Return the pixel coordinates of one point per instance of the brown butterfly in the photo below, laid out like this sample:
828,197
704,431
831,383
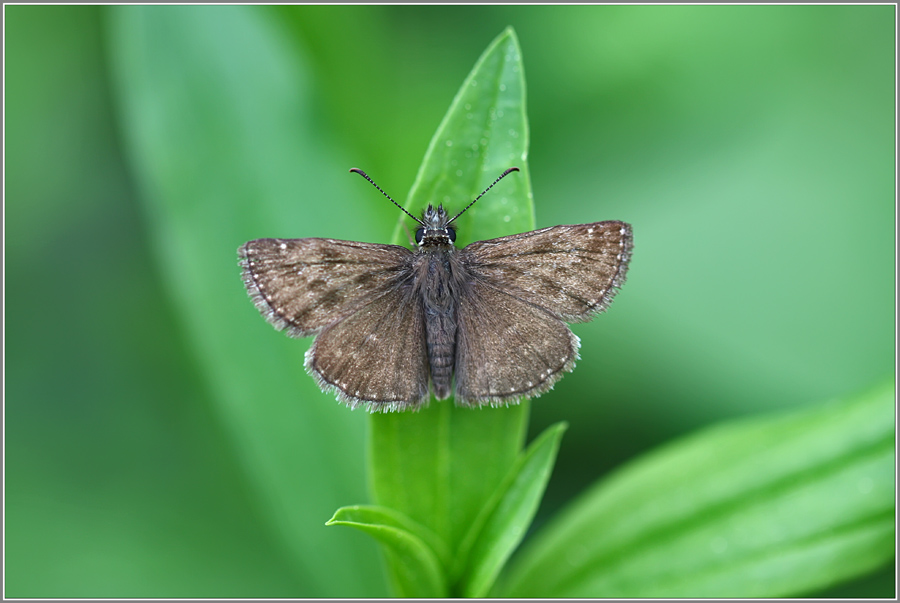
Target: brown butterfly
485,323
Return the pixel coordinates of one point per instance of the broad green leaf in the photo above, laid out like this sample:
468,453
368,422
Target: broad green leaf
505,518
763,507
416,555
217,113
439,466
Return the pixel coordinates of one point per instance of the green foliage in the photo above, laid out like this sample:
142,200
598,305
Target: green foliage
213,179
420,563
771,506
503,520
417,557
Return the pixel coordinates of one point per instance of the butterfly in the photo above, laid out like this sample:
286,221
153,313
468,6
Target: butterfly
485,323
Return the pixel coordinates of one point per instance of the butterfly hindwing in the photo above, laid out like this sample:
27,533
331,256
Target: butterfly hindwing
536,349
376,356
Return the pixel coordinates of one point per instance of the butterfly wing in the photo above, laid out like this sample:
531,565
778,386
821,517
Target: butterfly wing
359,297
375,357
571,271
302,285
536,349
519,291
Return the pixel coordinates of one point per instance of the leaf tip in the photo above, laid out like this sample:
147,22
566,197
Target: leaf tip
340,516
558,429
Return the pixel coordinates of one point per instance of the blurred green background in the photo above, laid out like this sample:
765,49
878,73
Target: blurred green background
163,441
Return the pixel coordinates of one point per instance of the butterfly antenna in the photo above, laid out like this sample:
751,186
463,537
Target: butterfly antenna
372,182
499,178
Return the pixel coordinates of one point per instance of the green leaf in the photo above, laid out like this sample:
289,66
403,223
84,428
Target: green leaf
441,465
764,507
505,518
217,113
416,554
484,132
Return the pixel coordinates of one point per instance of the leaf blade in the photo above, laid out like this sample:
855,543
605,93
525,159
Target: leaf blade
421,463
484,132
505,518
416,569
699,517
215,110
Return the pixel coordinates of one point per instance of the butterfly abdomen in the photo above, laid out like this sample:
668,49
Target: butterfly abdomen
441,338
440,322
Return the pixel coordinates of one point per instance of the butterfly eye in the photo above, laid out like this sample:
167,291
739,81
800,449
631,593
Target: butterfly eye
420,234
452,234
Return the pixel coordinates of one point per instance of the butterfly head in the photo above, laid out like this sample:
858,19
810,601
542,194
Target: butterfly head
435,229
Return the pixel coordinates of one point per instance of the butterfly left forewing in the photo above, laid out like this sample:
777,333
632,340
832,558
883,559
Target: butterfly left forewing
572,271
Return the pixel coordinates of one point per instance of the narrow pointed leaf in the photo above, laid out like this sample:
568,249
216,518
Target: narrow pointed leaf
415,568
439,466
506,517
764,507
